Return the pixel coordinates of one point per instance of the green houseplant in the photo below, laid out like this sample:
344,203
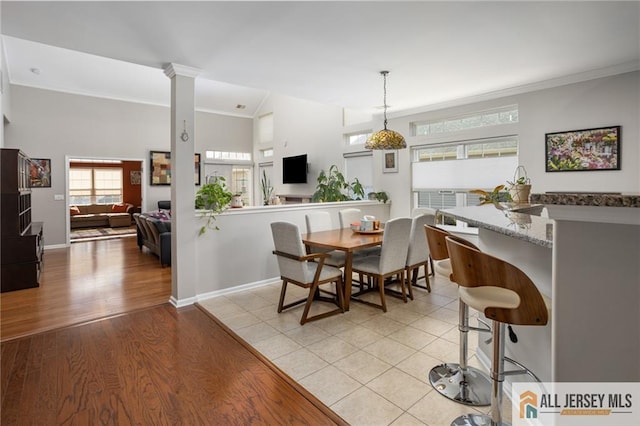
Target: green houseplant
381,196
498,195
332,186
214,197
265,188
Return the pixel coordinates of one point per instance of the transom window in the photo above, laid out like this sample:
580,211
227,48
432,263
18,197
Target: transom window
357,138
500,147
95,185
226,155
494,117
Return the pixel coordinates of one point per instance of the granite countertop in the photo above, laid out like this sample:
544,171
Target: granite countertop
598,199
505,219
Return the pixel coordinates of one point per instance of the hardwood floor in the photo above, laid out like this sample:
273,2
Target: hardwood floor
143,362
86,281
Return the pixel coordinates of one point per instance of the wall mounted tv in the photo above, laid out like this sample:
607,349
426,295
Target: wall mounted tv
294,169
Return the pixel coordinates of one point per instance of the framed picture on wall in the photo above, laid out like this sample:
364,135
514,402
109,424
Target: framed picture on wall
390,161
135,177
583,150
40,173
160,167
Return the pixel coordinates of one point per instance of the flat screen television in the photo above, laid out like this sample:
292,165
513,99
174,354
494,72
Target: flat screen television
294,169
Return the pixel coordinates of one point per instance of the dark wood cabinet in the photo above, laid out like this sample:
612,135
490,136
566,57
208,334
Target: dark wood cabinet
22,243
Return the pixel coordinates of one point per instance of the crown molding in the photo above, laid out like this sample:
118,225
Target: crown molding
172,70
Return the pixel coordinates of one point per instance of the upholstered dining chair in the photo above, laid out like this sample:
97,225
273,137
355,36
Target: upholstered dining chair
392,260
296,267
418,253
417,211
321,221
348,216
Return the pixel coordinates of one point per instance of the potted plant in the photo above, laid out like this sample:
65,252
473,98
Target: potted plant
497,195
520,187
266,188
214,197
381,196
332,186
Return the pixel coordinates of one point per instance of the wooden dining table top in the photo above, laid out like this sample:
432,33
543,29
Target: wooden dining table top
342,239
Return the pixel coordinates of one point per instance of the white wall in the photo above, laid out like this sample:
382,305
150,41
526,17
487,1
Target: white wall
605,101
48,124
301,127
240,253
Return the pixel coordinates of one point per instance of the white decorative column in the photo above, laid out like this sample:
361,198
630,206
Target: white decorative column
184,229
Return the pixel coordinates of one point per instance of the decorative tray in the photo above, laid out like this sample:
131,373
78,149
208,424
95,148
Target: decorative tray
377,231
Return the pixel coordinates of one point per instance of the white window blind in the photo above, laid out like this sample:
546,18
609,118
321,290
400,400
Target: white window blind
360,165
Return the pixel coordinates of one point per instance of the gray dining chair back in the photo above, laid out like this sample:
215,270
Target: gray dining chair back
418,251
391,262
318,221
417,211
395,244
348,216
321,221
286,239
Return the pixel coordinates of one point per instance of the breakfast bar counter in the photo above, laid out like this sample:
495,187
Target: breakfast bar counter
588,263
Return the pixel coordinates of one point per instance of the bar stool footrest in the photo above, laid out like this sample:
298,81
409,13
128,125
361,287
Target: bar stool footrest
476,420
473,387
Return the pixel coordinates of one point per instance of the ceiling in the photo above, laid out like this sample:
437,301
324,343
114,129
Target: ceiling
329,52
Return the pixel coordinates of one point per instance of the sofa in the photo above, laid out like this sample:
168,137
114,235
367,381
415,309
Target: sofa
100,215
154,232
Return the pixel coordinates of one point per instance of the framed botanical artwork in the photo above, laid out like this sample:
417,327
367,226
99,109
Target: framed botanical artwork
160,167
197,169
583,150
390,161
135,177
40,173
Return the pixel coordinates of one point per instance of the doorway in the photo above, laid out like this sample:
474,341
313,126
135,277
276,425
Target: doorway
98,188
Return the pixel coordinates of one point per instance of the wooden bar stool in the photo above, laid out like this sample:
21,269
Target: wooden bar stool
458,382
506,295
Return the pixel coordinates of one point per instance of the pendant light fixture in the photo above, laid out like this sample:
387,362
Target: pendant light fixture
385,139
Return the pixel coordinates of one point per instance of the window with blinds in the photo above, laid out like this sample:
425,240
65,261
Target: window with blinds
95,186
443,174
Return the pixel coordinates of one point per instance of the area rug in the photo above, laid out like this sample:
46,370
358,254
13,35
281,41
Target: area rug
102,233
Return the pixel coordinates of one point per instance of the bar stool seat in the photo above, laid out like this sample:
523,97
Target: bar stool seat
480,298
442,267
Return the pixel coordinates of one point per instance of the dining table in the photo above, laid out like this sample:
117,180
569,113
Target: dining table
348,241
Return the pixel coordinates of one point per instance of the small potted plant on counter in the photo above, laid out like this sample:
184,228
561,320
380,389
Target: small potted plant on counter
520,187
381,196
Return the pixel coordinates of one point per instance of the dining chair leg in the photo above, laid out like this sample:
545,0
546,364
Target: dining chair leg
283,291
383,302
409,282
426,276
307,306
339,293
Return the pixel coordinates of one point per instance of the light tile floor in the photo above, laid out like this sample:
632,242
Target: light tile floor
368,366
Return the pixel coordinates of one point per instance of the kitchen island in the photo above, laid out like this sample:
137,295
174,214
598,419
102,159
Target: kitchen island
586,259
